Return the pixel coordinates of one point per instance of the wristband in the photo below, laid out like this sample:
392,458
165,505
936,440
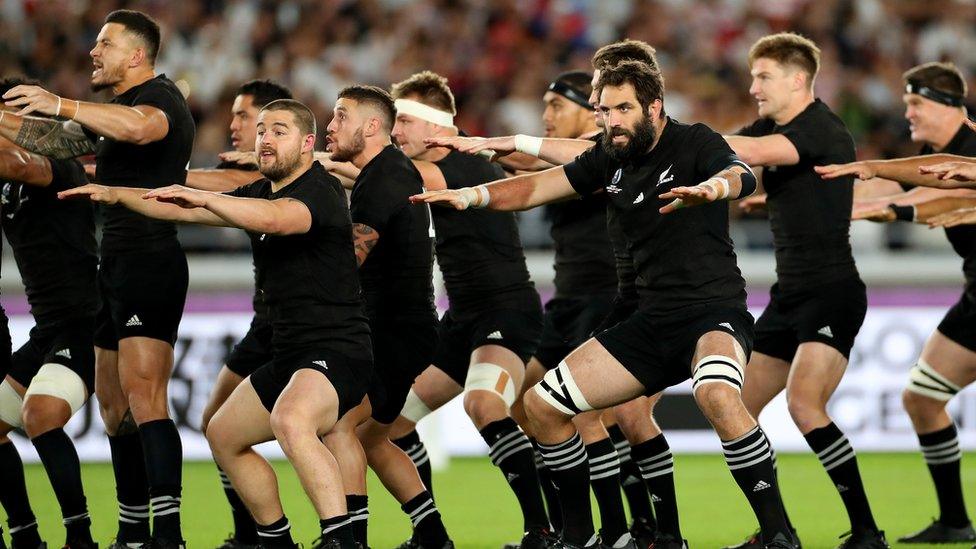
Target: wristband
2,113
58,113
77,109
483,197
903,213
711,183
528,144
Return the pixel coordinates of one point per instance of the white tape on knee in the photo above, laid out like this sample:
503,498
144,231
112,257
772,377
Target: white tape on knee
414,408
559,389
717,369
925,381
59,381
485,376
11,405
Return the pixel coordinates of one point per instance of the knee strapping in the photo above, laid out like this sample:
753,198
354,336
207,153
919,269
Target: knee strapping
717,369
59,381
925,381
11,405
484,376
414,408
559,389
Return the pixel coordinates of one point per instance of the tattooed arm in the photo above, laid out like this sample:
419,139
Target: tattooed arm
364,239
46,136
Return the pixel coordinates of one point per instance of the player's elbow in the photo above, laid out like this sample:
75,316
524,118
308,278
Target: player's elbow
747,180
14,165
142,133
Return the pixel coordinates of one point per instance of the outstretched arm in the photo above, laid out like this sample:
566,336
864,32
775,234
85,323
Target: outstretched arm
768,150
919,212
134,200
283,216
46,136
25,167
735,181
522,148
903,170
513,194
220,180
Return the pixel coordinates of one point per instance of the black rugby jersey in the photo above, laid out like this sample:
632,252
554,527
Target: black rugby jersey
963,237
478,250
152,165
260,309
684,258
309,281
397,276
810,218
54,245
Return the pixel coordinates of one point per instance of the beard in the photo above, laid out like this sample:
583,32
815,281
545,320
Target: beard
345,154
282,167
108,78
638,142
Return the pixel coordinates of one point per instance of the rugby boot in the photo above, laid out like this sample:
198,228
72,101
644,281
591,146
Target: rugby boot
667,541
864,540
940,533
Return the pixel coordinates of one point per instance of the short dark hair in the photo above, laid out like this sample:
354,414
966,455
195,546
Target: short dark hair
375,97
578,80
304,118
141,25
10,82
263,92
943,77
430,88
625,50
647,81
788,48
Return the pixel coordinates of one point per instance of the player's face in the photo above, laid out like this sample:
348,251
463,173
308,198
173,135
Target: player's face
595,99
344,135
279,144
772,86
243,124
629,130
927,119
409,133
113,52
562,118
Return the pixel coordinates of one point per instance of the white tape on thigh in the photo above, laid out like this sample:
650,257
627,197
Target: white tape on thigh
924,380
717,369
11,405
559,389
485,376
59,381
414,408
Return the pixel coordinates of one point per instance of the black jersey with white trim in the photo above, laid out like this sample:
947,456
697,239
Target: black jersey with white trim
397,276
963,237
810,218
684,258
479,251
309,281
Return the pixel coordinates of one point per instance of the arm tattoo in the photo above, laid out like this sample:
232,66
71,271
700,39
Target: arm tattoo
364,239
53,138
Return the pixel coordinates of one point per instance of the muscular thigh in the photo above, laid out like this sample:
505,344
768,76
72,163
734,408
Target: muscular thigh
950,359
816,372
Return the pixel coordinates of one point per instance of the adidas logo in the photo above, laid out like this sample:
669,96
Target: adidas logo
841,488
655,499
66,353
727,326
511,477
825,331
134,321
320,363
761,485
495,335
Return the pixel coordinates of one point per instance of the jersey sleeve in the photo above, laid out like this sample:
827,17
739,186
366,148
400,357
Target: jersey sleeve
714,153
324,203
756,129
66,174
810,143
587,172
376,203
160,97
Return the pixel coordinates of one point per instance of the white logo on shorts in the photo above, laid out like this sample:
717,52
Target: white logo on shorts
320,363
66,353
134,321
825,331
511,477
761,485
495,335
841,488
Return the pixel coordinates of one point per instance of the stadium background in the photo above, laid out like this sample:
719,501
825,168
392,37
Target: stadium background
499,57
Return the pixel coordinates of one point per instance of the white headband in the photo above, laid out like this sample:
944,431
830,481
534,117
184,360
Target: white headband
424,112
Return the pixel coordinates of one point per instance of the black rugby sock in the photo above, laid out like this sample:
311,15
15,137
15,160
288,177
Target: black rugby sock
21,522
63,468
131,487
943,457
339,529
772,456
358,509
549,492
656,464
752,468
164,460
245,529
837,457
276,534
631,481
415,449
605,482
571,474
511,451
428,527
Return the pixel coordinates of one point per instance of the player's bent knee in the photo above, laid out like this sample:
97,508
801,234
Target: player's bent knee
11,405
557,392
923,380
492,379
715,371
920,406
61,382
415,409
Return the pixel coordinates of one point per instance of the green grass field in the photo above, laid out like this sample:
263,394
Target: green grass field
480,512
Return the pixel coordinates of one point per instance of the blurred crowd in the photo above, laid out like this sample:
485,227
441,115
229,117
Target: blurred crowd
500,54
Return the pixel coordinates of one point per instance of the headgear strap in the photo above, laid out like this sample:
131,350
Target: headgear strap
570,93
913,86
